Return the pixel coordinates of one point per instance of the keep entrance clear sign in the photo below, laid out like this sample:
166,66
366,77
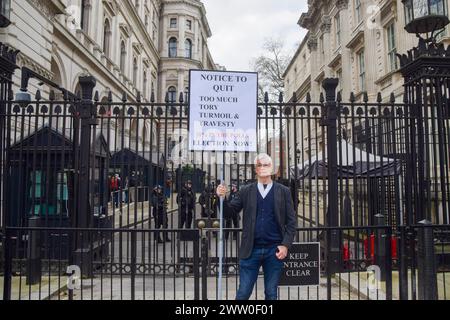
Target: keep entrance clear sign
222,112
302,265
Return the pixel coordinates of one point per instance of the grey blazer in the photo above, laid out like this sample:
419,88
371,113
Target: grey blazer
284,211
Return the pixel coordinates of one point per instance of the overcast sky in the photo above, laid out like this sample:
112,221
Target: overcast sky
239,28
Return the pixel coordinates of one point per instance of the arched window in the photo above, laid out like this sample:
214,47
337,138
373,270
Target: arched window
172,94
107,37
123,56
135,71
172,47
188,49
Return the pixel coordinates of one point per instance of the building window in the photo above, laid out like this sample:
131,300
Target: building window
188,49
392,49
337,21
107,37
173,22
189,24
362,71
172,47
172,94
123,56
135,71
85,14
358,10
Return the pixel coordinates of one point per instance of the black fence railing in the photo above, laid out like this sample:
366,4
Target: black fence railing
373,263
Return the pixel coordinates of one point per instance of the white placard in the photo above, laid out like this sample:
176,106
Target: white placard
222,112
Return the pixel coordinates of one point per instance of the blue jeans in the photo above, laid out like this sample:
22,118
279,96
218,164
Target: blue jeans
249,269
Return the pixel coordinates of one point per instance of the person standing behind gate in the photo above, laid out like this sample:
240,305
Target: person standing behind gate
269,226
132,182
160,213
114,186
186,201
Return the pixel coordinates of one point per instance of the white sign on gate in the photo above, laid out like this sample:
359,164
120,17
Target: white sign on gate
222,112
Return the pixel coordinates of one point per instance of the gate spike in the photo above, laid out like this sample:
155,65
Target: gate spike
266,97
379,99
152,97
110,97
181,99
365,97
321,99
66,95
339,97
294,97
308,97
352,97
51,95
392,98
124,97
280,97
166,99
38,95
138,96
10,95
96,99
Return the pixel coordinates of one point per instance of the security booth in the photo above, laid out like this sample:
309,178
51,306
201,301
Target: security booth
148,168
42,191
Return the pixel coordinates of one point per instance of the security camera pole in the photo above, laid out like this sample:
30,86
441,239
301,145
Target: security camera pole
222,117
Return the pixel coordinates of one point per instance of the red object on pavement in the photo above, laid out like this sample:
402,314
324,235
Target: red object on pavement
394,247
369,251
346,252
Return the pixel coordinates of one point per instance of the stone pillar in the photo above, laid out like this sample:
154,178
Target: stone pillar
325,27
313,48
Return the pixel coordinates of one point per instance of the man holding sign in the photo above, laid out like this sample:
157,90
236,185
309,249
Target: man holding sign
269,226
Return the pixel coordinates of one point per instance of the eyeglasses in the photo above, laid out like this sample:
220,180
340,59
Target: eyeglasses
265,165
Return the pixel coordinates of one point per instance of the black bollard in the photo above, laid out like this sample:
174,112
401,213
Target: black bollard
426,262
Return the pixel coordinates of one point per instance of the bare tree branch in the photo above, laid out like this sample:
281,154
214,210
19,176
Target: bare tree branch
270,67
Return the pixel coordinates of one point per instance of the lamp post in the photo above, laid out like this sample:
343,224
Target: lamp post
424,16
5,12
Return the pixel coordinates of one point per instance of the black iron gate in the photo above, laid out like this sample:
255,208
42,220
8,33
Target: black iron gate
90,185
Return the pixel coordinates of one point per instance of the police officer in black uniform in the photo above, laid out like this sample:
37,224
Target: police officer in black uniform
186,202
160,213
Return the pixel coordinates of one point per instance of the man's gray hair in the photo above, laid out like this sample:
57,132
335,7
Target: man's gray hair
263,156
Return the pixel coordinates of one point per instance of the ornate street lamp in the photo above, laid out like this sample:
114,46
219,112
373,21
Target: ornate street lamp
424,16
5,9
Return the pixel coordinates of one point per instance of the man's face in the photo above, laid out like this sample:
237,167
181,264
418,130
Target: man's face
264,168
